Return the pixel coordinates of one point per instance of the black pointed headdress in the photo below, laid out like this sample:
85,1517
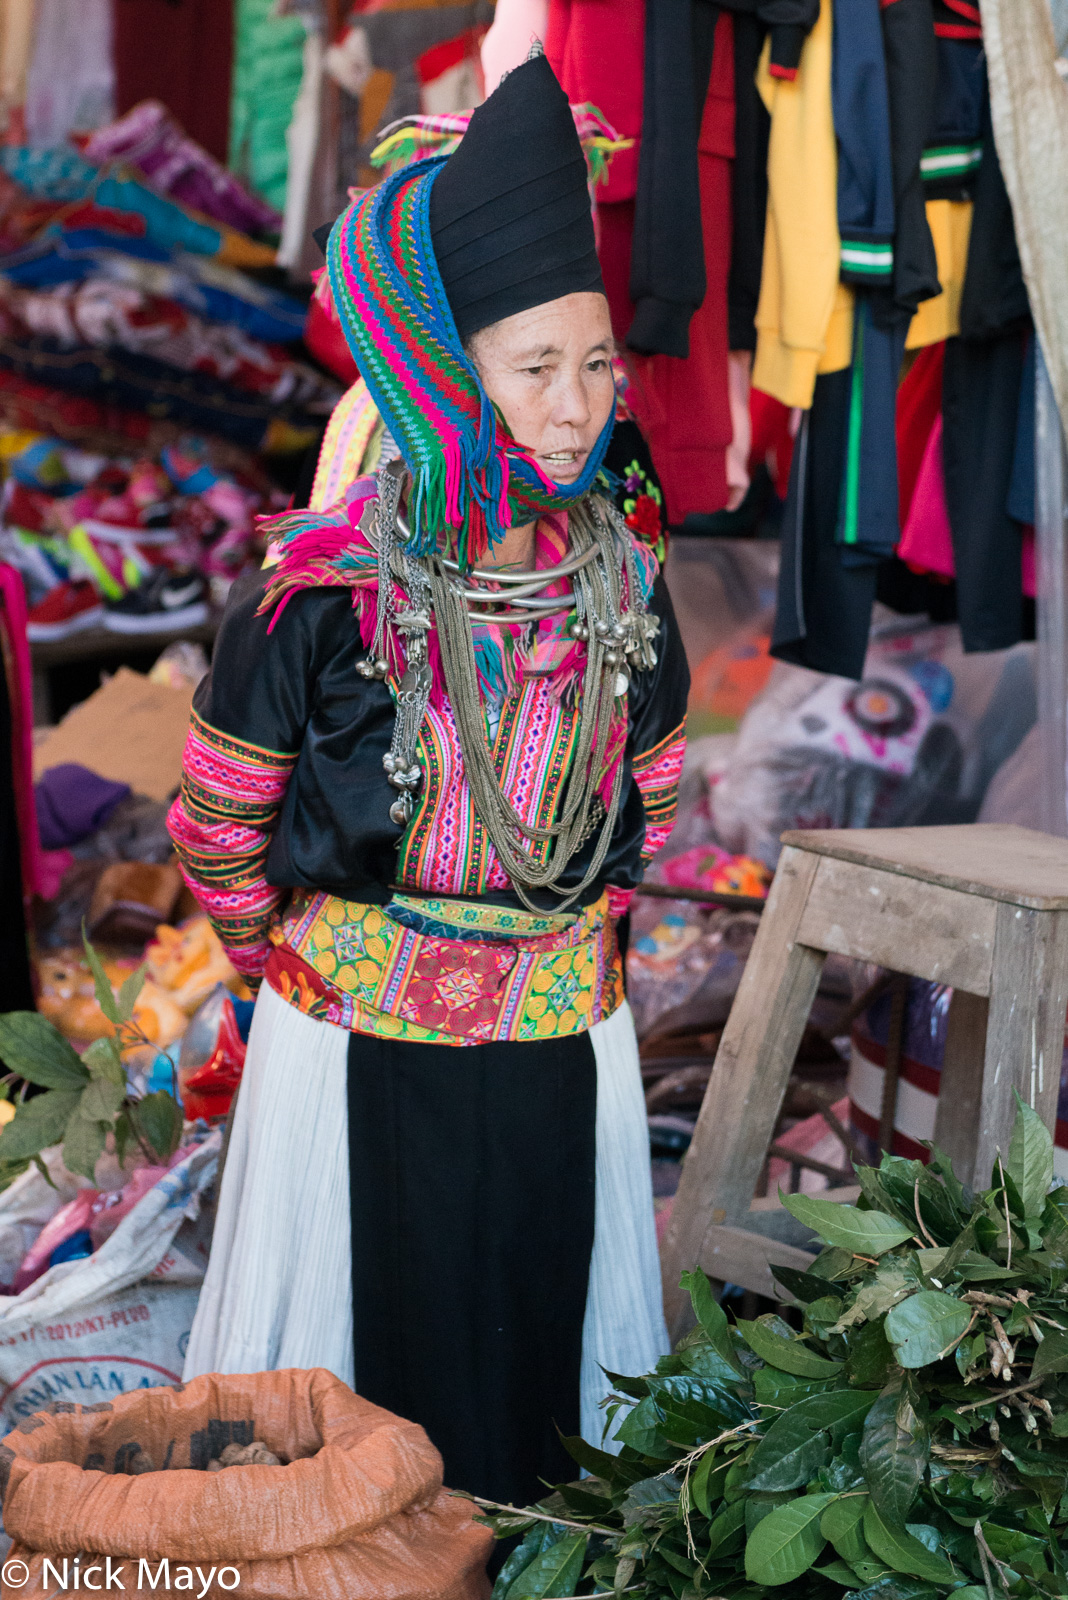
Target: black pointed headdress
510,212
442,248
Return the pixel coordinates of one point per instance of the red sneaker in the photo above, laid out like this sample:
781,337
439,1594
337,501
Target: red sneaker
66,609
26,508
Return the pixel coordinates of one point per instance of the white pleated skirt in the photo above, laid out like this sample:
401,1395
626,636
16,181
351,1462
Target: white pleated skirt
278,1290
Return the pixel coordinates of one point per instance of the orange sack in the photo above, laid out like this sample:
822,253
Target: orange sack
356,1513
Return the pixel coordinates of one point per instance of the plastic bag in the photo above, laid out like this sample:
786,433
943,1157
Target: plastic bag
917,741
356,1513
212,1058
69,1219
92,1329
684,963
28,1205
189,961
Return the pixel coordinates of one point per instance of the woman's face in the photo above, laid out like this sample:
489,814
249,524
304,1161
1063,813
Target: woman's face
550,372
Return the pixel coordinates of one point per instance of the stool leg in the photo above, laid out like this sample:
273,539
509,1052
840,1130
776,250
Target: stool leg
960,1090
1025,1032
748,1081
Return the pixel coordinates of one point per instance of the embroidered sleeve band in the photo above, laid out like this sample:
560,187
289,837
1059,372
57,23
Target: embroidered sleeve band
221,825
657,773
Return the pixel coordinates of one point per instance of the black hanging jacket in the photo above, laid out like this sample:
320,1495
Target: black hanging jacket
912,82
667,272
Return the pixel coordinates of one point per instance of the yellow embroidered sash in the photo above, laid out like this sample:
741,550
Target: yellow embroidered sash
443,971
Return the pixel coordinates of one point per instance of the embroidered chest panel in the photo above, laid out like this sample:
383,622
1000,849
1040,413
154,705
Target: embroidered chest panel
446,849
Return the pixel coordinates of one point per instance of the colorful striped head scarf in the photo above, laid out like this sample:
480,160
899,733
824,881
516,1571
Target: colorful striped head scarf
471,480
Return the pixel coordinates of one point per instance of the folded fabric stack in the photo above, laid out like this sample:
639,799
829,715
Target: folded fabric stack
133,307
110,290
135,544
108,315
149,138
61,175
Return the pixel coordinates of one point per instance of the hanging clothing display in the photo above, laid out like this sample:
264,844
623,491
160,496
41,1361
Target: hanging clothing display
749,183
927,244
681,218
862,129
984,385
804,318
681,394
417,827
980,399
70,81
824,602
180,52
408,58
664,217
840,516
1031,124
16,45
911,57
267,71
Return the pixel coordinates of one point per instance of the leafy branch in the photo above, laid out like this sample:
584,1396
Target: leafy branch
903,1437
87,1098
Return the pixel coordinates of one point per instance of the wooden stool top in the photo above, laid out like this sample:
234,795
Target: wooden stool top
997,861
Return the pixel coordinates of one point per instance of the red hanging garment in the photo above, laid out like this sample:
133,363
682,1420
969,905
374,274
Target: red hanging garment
180,52
596,48
919,406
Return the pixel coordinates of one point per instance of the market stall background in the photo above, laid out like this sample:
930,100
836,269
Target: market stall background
847,500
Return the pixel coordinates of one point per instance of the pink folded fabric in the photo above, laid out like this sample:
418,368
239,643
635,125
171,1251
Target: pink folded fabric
148,138
1030,578
927,541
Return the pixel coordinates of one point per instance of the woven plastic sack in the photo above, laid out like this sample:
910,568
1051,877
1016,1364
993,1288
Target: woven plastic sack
357,1513
120,1320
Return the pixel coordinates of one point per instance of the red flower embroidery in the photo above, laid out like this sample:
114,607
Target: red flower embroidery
644,518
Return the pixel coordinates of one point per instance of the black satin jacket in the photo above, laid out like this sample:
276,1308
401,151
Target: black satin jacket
296,690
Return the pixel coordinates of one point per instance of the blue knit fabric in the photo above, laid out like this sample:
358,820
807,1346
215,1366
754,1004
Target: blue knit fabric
861,109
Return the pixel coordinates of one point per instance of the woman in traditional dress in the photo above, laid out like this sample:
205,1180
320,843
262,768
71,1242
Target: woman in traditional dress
440,740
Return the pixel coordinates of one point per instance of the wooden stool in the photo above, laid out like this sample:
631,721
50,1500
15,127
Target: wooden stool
983,908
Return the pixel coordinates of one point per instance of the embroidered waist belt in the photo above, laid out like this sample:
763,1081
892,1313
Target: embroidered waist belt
447,971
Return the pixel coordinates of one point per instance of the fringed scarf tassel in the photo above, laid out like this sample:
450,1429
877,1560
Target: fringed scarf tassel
317,549
412,139
464,490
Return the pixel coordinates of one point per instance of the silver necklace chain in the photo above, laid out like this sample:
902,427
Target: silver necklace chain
617,639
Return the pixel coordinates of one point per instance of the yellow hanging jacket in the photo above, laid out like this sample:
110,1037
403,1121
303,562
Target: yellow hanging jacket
804,316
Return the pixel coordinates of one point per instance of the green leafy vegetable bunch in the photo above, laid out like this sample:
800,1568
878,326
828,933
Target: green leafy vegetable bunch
87,1097
909,1441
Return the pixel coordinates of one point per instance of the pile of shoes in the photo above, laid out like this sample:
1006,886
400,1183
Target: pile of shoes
133,544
